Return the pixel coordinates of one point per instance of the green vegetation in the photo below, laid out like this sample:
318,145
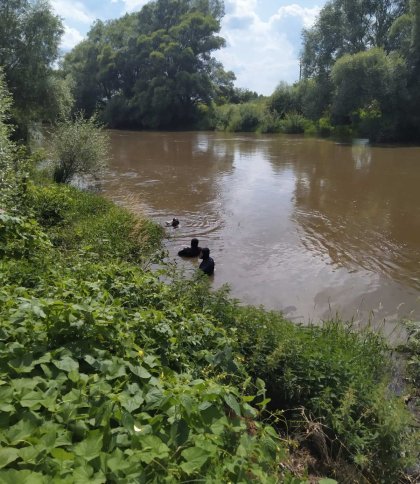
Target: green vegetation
29,38
111,372
78,147
358,64
412,349
153,68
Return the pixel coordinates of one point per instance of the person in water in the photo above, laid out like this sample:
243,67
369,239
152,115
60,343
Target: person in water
193,251
174,223
207,265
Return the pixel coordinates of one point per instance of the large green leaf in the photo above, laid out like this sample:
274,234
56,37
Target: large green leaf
91,446
7,455
67,364
140,371
84,474
233,403
30,453
32,400
130,402
12,476
195,458
22,430
61,454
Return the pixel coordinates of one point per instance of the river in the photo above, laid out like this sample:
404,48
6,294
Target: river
310,227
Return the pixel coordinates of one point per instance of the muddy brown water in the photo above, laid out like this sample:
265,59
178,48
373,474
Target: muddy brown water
310,227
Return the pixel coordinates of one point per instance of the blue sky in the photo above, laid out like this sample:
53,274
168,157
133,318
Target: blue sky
263,36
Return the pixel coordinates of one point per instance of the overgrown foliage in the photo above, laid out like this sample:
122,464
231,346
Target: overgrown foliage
152,69
13,161
109,372
358,55
104,376
29,38
79,146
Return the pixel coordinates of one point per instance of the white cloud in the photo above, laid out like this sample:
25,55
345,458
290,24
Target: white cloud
307,15
71,37
71,10
263,53
131,5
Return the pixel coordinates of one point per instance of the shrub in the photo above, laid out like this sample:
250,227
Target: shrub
49,203
245,117
325,127
285,99
269,123
79,220
20,237
293,123
78,147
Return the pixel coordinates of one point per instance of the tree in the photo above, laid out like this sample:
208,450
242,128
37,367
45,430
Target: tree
7,148
369,86
348,27
285,99
29,38
152,68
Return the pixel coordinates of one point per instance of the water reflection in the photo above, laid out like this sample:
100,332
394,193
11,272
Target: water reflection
361,153
302,225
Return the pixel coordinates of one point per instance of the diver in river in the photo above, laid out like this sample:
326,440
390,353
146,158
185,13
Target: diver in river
207,265
193,251
174,223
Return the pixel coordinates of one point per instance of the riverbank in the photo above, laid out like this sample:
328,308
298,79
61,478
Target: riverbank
107,373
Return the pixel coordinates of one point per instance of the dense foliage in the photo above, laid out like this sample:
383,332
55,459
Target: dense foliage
29,38
104,375
152,68
111,372
359,70
79,147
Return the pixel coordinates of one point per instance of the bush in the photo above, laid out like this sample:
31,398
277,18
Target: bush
49,204
244,118
325,127
293,123
337,375
10,170
20,237
247,117
78,147
285,99
269,123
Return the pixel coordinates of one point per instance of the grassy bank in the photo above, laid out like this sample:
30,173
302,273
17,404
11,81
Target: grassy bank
109,374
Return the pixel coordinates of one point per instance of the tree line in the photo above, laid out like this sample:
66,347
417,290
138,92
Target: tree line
155,69
360,70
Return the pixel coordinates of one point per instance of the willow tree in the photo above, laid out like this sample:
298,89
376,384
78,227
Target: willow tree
152,68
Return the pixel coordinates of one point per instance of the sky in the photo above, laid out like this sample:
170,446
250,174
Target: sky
263,37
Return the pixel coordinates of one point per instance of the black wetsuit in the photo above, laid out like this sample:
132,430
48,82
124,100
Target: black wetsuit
190,252
207,266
